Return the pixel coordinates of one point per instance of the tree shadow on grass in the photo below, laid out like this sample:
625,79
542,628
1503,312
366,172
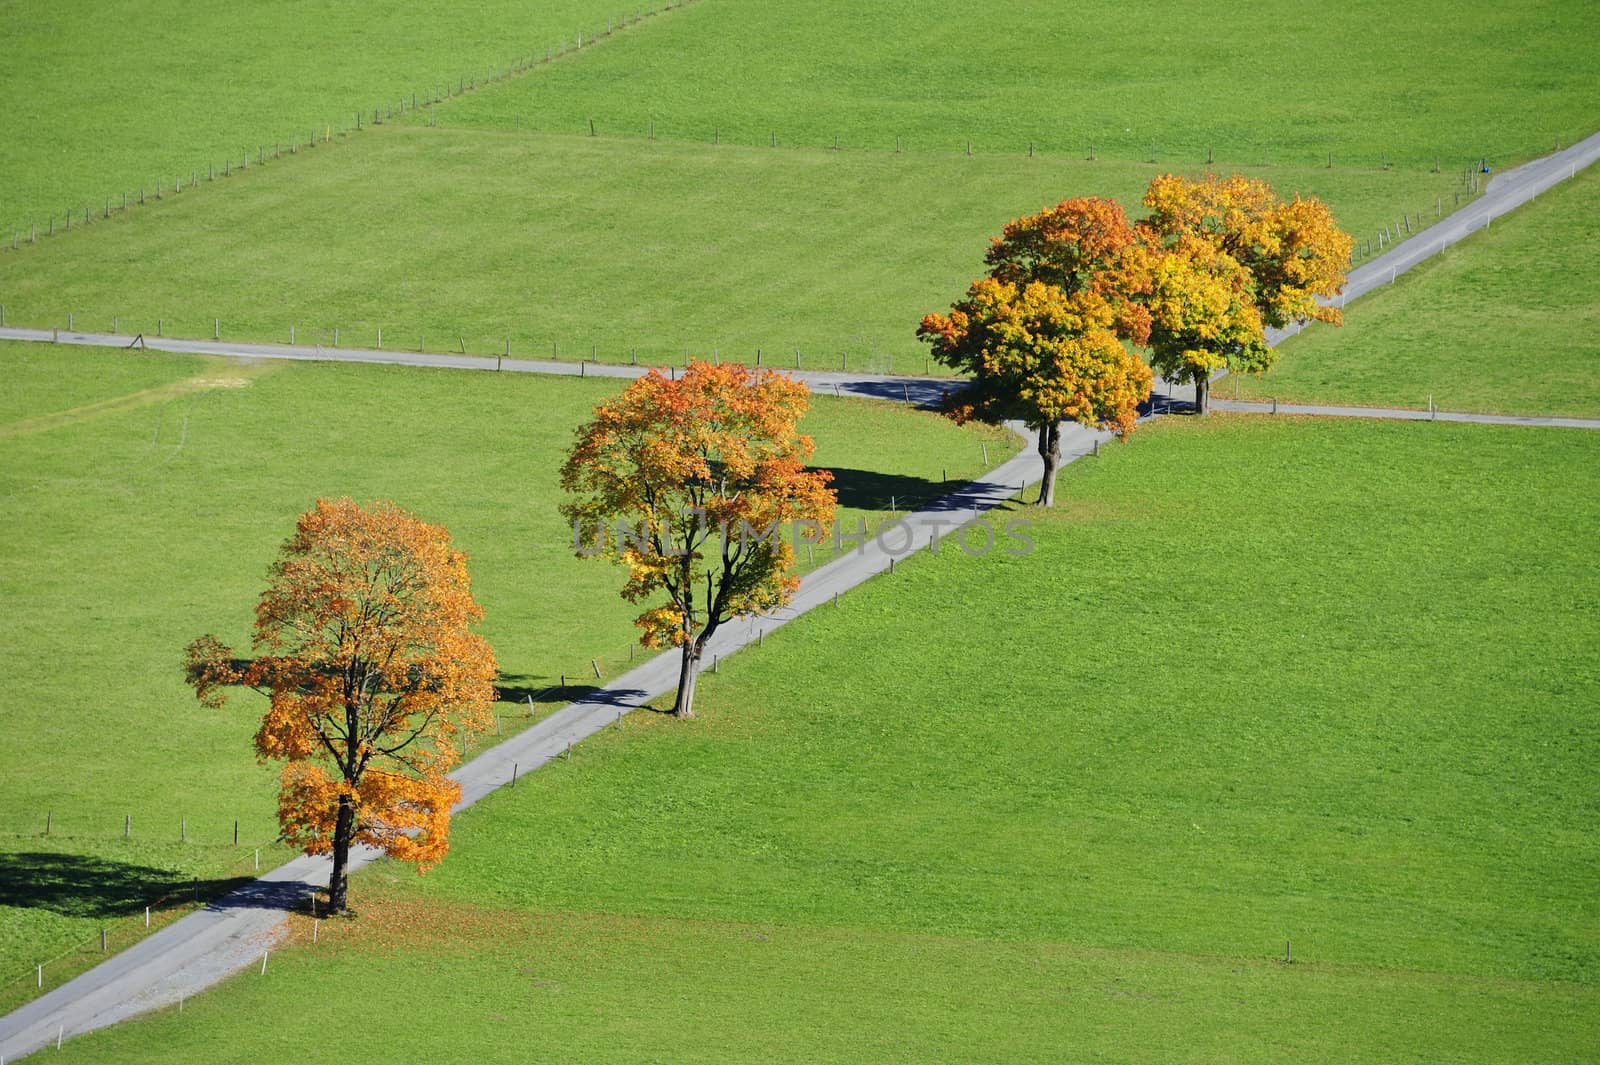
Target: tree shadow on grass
78,885
520,687
871,490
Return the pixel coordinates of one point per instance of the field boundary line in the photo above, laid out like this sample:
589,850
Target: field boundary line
1323,410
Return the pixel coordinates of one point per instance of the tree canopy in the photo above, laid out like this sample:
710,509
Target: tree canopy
1235,235
365,650
1196,282
1040,356
697,487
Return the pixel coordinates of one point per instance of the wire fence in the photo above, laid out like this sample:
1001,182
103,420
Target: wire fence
1185,157
173,184
141,327
45,866
1471,181
168,187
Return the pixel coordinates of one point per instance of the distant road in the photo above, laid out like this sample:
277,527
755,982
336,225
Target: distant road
1505,192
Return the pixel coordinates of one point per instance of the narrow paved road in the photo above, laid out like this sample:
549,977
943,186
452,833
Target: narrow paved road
1505,192
196,952
923,390
1401,414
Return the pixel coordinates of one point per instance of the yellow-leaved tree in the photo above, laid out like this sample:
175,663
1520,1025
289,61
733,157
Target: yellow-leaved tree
1039,356
1230,259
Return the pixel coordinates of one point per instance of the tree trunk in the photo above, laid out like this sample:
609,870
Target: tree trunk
1202,393
688,675
1050,452
343,830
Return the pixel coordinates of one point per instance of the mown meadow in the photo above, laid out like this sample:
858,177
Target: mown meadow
1507,322
146,495
1078,802
516,239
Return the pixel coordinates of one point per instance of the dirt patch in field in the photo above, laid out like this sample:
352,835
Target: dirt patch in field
219,373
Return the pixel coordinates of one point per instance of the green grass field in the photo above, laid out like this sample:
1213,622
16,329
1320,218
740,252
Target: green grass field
1366,81
1066,805
1260,680
145,496
104,97
520,237
1506,322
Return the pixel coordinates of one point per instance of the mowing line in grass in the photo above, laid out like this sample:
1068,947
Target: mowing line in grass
102,108
1369,84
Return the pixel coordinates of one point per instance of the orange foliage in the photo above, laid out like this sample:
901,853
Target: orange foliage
1083,244
708,471
364,648
1038,355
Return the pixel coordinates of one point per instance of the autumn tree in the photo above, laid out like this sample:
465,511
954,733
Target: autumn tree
1203,317
1040,356
694,485
1239,260
1084,244
364,647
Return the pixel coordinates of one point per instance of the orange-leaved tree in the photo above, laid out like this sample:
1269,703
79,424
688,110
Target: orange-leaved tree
364,647
1082,244
1282,258
1039,356
698,486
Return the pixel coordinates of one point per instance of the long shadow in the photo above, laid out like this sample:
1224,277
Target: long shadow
250,894
919,392
520,687
1160,404
628,697
871,490
77,885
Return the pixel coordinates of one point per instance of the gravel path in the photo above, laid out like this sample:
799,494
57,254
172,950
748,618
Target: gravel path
199,950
